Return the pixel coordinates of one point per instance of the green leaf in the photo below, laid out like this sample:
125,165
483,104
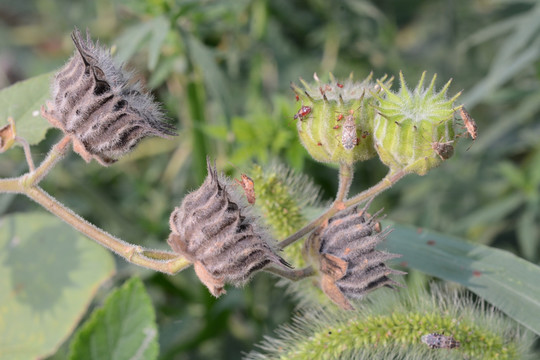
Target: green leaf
48,276
132,39
22,101
124,328
501,278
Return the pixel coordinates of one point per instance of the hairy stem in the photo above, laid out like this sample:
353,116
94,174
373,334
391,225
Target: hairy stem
387,182
345,180
27,153
132,253
55,155
292,274
27,184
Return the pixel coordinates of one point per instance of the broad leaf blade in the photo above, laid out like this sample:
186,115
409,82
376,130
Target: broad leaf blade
501,278
124,328
22,101
48,276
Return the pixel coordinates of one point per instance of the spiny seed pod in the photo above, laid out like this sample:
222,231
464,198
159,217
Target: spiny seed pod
95,103
415,130
345,253
210,230
335,120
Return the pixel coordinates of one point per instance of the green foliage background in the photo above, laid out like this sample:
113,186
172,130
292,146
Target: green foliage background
223,68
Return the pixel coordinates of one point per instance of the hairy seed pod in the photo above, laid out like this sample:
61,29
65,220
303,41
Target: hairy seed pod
225,245
96,104
414,129
319,120
349,264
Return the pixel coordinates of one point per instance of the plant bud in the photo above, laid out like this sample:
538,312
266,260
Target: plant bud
345,253
96,104
414,130
224,244
335,121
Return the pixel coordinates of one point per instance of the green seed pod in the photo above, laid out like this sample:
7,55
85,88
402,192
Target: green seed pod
414,130
335,121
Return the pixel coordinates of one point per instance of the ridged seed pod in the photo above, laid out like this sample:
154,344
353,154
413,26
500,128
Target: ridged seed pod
335,120
225,245
414,129
344,250
96,104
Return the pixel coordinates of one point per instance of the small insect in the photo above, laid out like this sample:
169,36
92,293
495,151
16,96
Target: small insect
340,85
348,134
336,127
304,111
365,134
319,143
445,150
439,341
248,185
340,117
469,123
297,97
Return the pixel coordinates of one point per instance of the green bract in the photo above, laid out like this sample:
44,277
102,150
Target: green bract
414,130
324,111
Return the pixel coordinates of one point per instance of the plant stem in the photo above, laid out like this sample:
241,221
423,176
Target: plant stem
53,157
27,184
388,181
291,274
345,180
27,153
132,253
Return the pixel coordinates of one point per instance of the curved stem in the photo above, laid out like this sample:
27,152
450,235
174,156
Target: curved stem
27,153
132,253
387,182
55,155
291,274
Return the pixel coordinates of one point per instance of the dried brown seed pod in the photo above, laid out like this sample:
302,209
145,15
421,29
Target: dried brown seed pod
349,264
96,104
211,230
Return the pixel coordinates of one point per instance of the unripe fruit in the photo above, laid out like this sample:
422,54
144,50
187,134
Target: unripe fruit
335,120
414,130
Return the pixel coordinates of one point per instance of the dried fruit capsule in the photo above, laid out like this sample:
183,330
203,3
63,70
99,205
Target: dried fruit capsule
95,103
211,230
344,251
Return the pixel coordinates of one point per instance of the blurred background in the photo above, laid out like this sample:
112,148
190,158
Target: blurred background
223,70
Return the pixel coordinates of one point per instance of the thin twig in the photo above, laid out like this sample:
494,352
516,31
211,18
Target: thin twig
387,182
27,153
132,253
56,154
291,274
